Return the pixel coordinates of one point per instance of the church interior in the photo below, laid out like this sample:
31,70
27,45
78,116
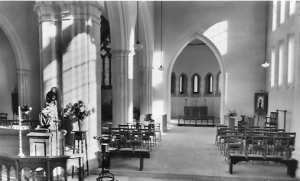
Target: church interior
149,90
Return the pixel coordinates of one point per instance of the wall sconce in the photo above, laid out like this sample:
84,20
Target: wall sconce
266,64
138,46
160,68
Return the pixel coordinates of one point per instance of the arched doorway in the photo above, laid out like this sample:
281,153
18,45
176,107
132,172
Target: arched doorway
216,53
197,94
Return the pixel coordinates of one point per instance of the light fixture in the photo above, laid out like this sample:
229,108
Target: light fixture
138,46
161,68
266,64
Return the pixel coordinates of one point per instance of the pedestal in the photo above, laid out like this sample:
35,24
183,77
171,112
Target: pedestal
46,143
40,143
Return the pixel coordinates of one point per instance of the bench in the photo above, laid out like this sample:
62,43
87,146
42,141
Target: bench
291,164
197,121
132,153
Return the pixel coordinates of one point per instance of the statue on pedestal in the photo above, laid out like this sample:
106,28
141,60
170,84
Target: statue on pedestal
49,114
49,122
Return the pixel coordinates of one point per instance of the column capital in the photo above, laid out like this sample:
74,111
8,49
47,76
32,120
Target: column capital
46,10
122,53
52,11
23,71
81,10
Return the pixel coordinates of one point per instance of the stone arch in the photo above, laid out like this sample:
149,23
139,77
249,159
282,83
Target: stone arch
116,18
16,44
22,62
213,48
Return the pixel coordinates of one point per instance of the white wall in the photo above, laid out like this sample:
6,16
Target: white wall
287,95
200,60
245,44
282,97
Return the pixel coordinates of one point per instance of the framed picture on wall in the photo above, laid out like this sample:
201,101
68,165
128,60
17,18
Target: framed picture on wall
261,103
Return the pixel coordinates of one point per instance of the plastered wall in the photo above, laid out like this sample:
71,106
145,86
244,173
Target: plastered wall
196,59
245,42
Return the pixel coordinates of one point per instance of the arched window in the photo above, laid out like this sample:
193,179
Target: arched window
209,84
105,52
182,84
218,88
195,84
173,83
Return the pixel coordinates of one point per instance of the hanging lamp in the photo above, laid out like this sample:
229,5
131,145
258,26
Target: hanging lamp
138,46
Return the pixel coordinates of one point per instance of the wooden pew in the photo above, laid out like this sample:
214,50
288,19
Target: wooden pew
131,153
291,164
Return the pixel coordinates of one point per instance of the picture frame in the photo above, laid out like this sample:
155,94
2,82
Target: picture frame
261,103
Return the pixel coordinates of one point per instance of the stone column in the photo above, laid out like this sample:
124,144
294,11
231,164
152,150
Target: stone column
146,83
70,58
82,64
24,86
121,92
50,65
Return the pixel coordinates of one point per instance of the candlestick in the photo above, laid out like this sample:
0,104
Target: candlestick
21,154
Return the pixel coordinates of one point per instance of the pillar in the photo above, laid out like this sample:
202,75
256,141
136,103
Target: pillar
48,31
122,86
24,86
146,83
82,64
70,58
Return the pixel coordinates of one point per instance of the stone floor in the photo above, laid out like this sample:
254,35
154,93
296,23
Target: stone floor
189,153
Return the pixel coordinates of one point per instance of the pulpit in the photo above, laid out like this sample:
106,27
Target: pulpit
50,143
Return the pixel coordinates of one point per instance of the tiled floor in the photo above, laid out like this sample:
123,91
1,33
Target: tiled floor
189,153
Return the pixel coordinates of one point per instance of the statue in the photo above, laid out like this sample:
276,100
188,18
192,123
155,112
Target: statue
49,122
49,114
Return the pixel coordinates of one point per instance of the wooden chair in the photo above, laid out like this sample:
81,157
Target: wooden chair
3,119
272,120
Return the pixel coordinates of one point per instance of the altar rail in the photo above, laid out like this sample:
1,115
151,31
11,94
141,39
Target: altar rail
198,121
47,163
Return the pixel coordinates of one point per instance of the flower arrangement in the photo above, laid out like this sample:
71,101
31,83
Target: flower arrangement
77,112
48,115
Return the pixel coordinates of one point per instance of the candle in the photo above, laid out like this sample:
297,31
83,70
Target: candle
21,154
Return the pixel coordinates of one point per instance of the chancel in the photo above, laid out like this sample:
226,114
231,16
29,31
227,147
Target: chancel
149,90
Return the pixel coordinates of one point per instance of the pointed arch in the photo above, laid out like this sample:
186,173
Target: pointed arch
188,38
173,83
195,82
218,84
21,58
209,84
183,84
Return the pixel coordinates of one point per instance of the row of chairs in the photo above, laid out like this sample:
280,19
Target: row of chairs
267,141
134,136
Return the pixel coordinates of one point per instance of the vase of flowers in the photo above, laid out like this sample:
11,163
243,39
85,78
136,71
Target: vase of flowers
76,112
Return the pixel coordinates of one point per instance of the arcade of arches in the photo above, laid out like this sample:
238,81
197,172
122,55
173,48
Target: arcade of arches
126,59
